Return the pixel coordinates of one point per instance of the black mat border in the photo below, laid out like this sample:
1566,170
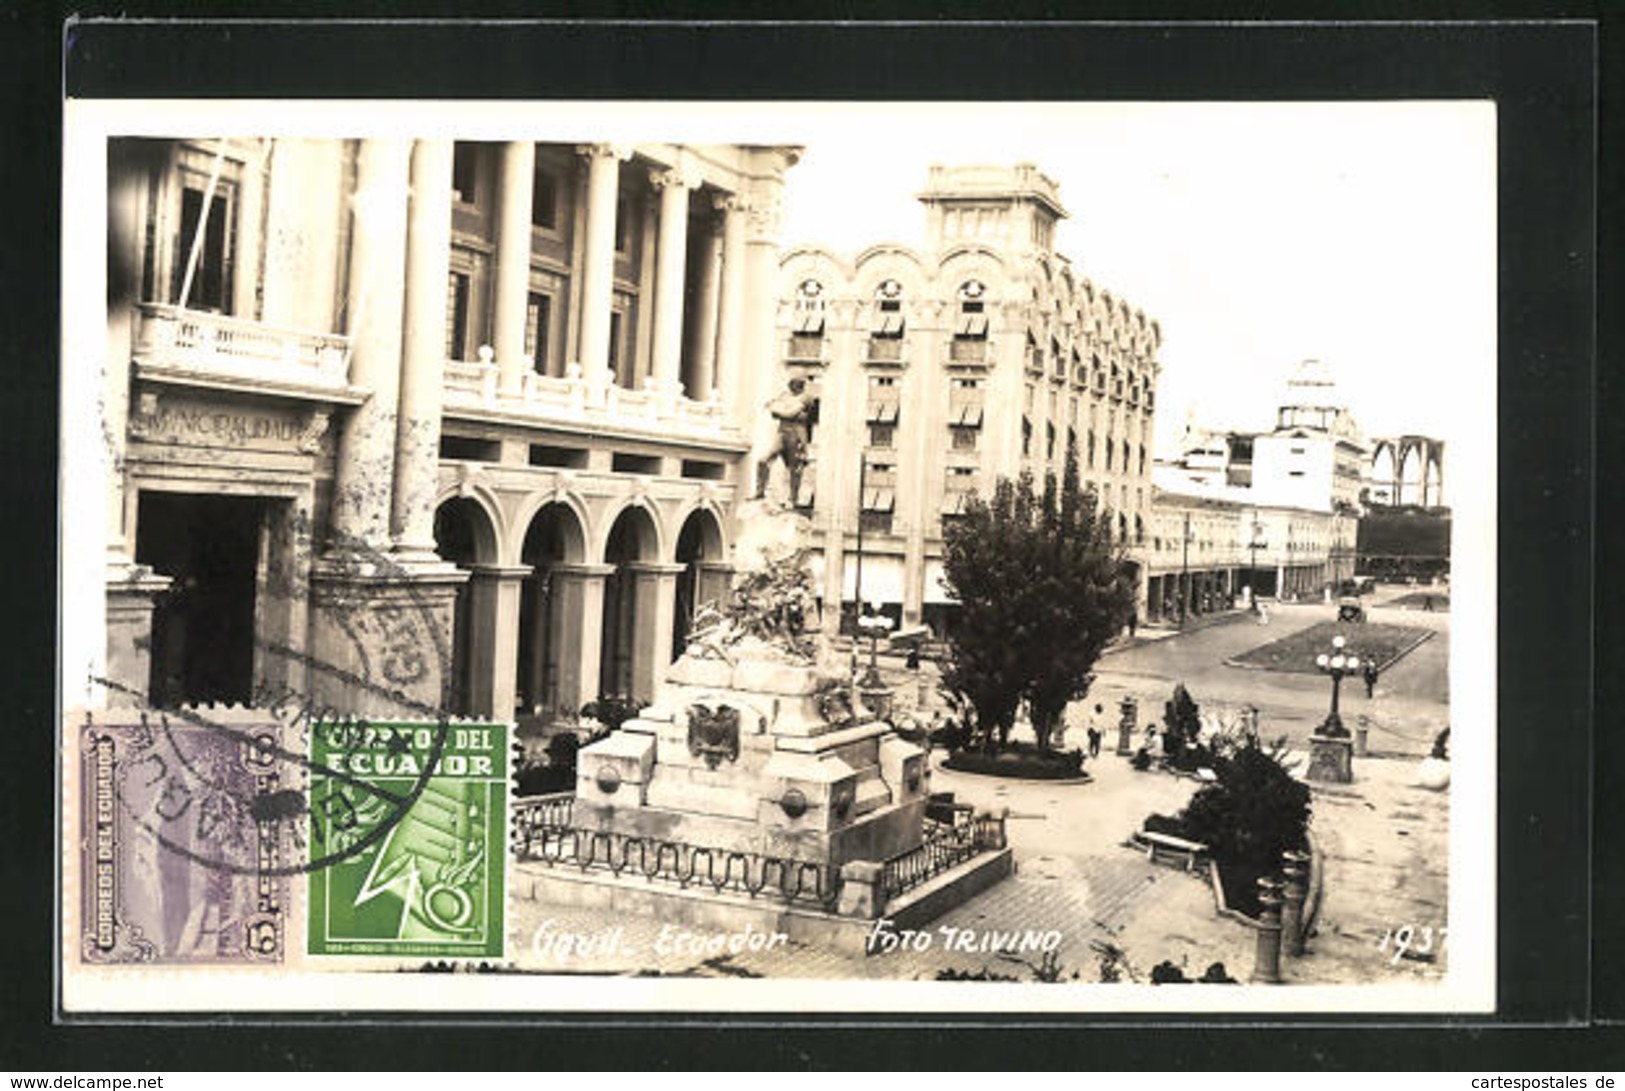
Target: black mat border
1541,75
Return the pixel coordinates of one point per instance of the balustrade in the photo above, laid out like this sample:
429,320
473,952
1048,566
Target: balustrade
223,345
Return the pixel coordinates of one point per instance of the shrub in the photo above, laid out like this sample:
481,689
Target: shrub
1020,760
1253,813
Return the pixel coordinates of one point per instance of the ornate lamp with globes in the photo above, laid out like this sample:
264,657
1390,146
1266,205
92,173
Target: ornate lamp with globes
1331,750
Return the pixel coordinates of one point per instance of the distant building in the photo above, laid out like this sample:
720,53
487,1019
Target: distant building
1274,513
1405,532
1405,470
520,372
981,354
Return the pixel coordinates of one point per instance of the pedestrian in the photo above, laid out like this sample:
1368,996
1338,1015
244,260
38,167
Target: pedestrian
1133,622
1369,673
1427,604
1094,732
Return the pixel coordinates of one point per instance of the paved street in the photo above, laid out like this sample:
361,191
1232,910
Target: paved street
1408,710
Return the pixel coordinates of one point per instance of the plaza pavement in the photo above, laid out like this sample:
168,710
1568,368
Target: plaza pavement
1383,841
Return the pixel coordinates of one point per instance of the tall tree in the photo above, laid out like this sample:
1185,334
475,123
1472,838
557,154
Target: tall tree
1041,588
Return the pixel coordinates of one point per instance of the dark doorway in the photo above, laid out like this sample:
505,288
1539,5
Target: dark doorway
203,626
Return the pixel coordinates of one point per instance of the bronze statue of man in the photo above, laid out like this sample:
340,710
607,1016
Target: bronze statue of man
793,411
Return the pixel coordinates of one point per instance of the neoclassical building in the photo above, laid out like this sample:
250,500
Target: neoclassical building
939,369
493,398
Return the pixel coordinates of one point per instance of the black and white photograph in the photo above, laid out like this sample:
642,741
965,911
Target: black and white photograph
706,554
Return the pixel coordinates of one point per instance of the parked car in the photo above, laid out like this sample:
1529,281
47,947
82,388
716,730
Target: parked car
1349,608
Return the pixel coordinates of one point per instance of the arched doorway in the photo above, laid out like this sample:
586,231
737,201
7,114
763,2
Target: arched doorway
698,543
463,536
632,539
554,537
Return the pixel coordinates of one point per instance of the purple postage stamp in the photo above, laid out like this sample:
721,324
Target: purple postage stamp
188,839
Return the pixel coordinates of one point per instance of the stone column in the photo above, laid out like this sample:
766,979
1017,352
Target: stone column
513,261
757,349
250,213
417,444
1295,868
598,264
494,591
731,295
578,590
1267,952
362,492
655,588
648,229
669,275
380,639
705,314
302,241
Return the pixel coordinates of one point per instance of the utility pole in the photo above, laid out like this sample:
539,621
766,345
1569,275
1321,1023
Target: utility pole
863,488
1184,571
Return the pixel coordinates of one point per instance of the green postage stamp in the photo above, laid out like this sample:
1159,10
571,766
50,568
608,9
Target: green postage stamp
408,839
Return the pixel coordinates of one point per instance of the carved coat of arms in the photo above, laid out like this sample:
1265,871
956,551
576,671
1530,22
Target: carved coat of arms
713,734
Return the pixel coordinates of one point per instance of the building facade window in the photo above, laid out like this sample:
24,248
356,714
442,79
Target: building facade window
465,159
210,287
538,330
883,408
458,286
886,335
544,200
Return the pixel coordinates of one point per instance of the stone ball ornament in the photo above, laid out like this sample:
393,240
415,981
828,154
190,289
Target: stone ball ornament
793,803
608,779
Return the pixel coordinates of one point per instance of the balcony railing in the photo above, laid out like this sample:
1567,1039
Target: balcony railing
578,399
221,346
885,349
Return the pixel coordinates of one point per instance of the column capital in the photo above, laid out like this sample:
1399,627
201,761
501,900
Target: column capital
622,152
675,177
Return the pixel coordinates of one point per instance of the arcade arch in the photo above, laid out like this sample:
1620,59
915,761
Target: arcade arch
632,605
702,577
553,540
464,534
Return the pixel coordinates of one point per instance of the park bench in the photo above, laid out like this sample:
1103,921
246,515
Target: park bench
1189,851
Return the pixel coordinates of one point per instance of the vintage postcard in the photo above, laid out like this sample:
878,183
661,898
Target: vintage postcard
764,556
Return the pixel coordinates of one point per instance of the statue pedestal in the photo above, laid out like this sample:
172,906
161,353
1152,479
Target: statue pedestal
1331,759
757,756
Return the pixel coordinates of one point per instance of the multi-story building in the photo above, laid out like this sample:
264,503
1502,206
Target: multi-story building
940,369
507,385
1273,513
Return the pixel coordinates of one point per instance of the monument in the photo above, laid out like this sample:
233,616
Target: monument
757,785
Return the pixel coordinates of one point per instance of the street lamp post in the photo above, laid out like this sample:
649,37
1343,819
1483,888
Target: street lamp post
874,625
1252,554
1338,665
1185,572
